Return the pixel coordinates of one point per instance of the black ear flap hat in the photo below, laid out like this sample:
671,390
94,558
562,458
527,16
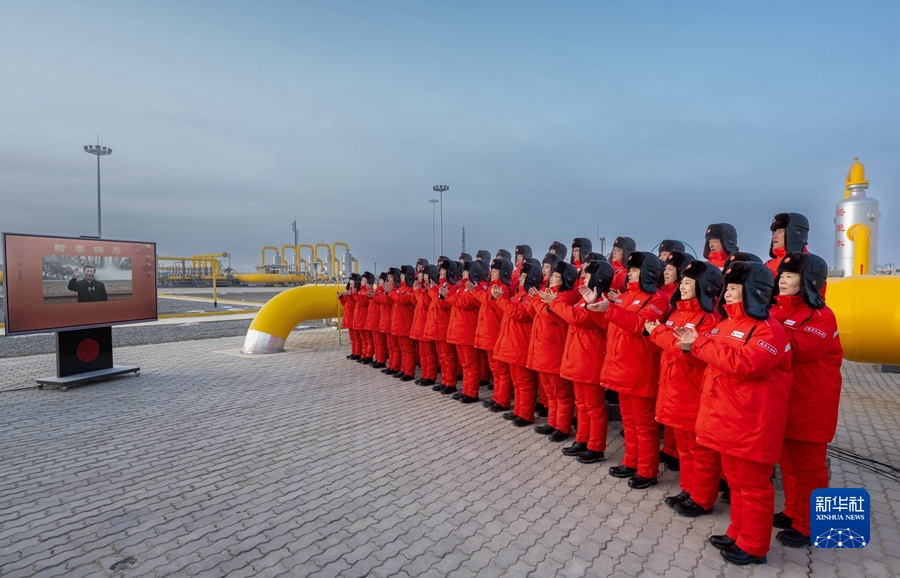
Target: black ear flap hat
568,273
523,250
601,275
422,262
813,273
451,267
708,283
531,270
724,232
758,286
678,260
410,272
504,254
584,247
561,250
369,277
356,277
483,256
651,269
551,259
627,245
432,272
671,245
741,256
475,271
383,276
394,275
506,267
796,231
465,257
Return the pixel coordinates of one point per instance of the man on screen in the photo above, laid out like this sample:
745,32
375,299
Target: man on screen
88,289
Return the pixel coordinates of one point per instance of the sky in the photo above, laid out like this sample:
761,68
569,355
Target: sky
547,120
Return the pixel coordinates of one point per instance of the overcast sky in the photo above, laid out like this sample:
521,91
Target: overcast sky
229,120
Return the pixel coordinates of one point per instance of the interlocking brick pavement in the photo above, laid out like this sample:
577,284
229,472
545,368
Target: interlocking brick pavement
305,464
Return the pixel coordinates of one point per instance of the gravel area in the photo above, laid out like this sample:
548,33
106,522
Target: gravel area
173,306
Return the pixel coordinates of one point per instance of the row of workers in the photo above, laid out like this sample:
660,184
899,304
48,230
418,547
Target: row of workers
741,366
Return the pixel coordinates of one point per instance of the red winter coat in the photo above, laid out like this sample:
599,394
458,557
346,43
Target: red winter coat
816,357
439,313
717,258
743,405
620,276
632,365
680,373
489,315
548,333
404,308
360,310
387,307
669,289
373,318
585,348
463,316
423,300
515,329
348,302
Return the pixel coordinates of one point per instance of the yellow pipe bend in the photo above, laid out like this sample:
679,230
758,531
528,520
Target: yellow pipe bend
868,316
860,234
275,321
263,254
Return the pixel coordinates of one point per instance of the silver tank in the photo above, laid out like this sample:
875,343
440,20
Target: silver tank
858,208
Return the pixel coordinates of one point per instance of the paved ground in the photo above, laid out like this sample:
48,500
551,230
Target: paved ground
304,464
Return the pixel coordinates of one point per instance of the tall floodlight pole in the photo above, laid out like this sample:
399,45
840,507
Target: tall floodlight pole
433,256
441,189
98,151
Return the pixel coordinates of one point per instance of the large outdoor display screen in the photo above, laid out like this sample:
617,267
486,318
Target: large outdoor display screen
57,283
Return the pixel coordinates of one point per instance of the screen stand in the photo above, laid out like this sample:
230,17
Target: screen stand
84,355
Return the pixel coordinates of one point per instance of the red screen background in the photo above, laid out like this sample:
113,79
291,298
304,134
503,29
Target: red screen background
26,311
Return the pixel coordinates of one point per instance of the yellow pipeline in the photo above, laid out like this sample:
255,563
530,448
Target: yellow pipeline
868,316
275,321
271,278
859,234
263,254
334,258
284,250
355,265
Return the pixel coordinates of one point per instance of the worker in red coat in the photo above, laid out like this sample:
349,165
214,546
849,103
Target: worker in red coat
420,313
666,246
582,362
461,331
512,343
401,322
632,366
581,246
623,247
721,241
680,379
428,358
743,404
523,253
438,323
790,233
348,300
373,323
675,261
548,264
361,317
546,347
812,410
490,318
395,355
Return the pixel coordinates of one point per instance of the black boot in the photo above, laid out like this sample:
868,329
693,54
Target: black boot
590,457
641,483
575,449
426,382
691,509
782,520
793,538
721,541
468,399
677,499
559,436
497,408
544,430
521,422
448,390
509,416
737,556
622,471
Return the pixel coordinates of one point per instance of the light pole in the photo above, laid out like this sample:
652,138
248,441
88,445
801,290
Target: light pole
441,189
99,151
433,256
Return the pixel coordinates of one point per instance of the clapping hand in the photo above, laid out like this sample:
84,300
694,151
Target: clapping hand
687,336
649,326
589,295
